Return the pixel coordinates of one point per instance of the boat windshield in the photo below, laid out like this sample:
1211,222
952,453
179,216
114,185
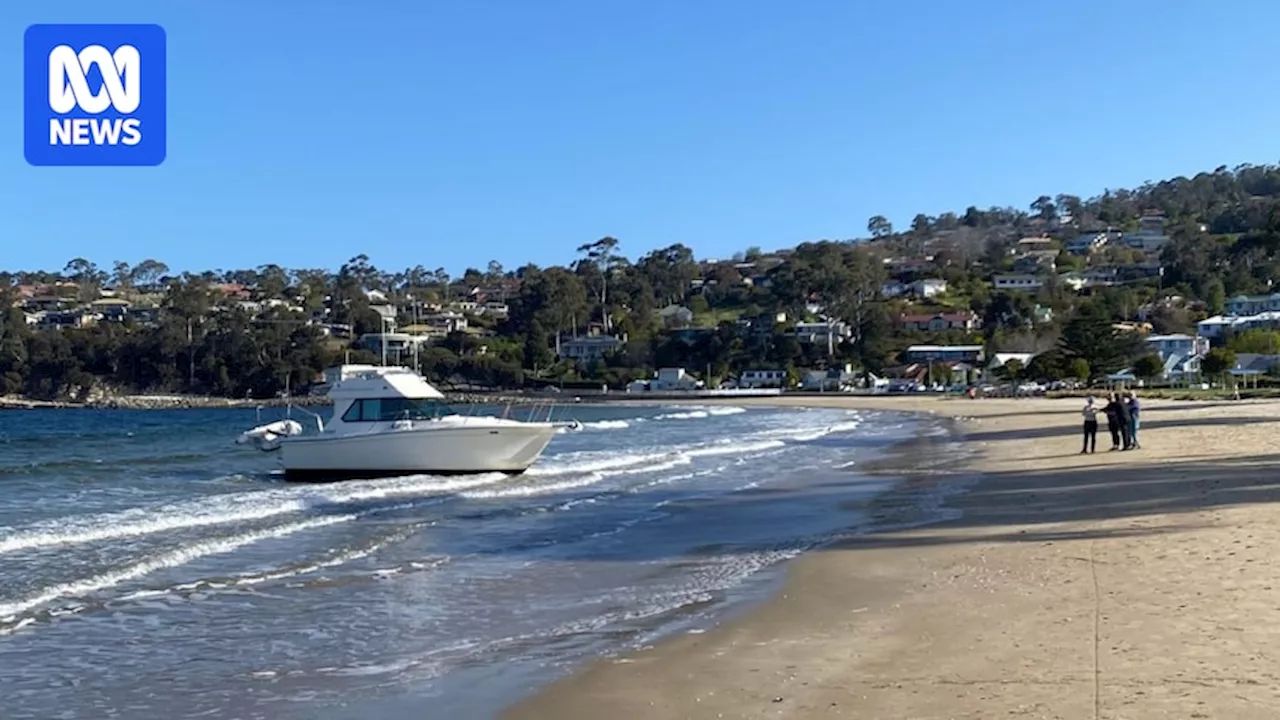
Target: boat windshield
396,408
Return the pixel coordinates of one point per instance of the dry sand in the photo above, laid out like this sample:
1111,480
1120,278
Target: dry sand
1138,584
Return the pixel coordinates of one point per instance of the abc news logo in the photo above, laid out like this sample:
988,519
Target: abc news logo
94,94
69,89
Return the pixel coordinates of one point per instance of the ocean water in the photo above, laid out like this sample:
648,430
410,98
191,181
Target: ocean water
150,568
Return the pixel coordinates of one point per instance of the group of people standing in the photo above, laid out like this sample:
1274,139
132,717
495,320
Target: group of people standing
1122,412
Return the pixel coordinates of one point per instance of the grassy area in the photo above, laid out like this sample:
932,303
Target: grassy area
713,318
1180,393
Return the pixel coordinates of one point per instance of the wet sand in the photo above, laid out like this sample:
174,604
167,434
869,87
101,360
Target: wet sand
1136,584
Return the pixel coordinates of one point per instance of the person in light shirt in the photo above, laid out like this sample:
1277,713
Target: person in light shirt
1090,413
1134,420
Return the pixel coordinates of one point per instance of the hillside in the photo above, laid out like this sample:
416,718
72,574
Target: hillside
1052,279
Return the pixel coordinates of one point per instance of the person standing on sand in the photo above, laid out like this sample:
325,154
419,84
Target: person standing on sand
1113,420
1126,422
1090,413
1135,408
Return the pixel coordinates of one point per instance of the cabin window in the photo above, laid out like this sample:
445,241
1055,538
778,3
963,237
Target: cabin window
391,409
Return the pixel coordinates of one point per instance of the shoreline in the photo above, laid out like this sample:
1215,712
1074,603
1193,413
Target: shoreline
1058,589
917,499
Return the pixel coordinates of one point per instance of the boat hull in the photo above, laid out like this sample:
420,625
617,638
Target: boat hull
309,475
462,450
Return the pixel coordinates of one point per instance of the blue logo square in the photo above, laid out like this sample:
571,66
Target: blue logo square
94,95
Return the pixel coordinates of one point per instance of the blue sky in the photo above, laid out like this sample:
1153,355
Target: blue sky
453,133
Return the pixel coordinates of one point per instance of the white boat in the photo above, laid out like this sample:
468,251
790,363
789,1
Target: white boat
389,421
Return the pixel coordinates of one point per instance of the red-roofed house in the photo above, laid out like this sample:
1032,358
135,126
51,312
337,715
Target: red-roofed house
233,291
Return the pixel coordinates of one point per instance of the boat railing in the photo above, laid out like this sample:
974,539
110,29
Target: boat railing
536,410
319,420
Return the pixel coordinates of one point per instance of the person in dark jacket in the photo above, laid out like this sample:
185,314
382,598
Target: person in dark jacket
1126,422
1113,420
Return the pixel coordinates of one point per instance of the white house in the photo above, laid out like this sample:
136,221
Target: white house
674,379
446,322
1177,344
496,309
928,287
836,379
666,379
999,360
1216,325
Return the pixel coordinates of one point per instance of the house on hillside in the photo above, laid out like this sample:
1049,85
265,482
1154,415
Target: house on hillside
666,380
973,354
901,265
1257,364
1018,281
445,322
495,309
893,289
675,316
1215,326
398,345
827,332
233,291
59,320
1179,354
387,313
1177,344
1037,262
928,287
1089,242
44,303
1034,244
1149,237
1000,359
113,309
966,320
836,379
762,378
586,349
1243,305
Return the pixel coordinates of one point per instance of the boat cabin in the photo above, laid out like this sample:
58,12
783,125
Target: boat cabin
364,394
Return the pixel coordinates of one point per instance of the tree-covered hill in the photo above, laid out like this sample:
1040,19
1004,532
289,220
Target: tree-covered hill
1169,253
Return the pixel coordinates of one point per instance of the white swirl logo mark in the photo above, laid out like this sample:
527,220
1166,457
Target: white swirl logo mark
69,84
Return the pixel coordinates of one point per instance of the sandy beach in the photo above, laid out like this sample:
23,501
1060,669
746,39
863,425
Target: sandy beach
1114,585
